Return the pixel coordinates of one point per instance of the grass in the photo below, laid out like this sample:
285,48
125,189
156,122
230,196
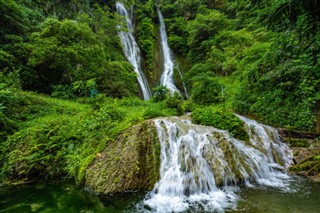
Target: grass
231,86
59,138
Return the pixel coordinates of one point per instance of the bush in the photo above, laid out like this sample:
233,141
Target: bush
220,119
205,89
173,101
195,70
157,110
160,93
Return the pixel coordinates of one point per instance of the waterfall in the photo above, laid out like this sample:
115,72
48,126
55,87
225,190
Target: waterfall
168,62
132,52
202,166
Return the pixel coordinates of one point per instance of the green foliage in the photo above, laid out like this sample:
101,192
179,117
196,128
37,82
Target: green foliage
63,92
145,34
12,17
230,87
202,31
220,119
61,9
228,50
52,53
279,84
16,22
9,100
299,143
309,165
76,89
287,11
154,111
205,89
61,53
177,35
160,93
273,83
118,80
19,110
70,48
104,23
39,150
58,138
173,101
199,68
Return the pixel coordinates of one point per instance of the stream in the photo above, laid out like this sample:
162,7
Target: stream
303,197
199,172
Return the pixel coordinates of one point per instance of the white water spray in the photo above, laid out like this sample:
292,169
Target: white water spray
201,166
132,52
168,62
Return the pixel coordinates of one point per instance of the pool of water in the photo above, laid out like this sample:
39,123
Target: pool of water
302,197
57,197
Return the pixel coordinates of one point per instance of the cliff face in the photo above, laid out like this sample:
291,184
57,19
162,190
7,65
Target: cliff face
130,163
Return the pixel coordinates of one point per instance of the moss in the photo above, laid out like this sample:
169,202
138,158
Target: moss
277,158
220,119
309,166
307,162
299,143
226,161
129,163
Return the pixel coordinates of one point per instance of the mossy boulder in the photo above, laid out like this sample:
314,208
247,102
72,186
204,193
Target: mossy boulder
129,163
307,162
306,153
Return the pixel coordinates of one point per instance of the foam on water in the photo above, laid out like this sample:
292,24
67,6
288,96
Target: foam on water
201,166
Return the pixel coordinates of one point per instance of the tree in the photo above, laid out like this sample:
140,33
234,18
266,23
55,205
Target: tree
205,89
64,51
202,30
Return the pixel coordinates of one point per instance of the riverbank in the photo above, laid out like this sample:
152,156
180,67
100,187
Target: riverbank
306,153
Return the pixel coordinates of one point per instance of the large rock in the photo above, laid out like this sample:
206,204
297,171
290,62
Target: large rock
129,163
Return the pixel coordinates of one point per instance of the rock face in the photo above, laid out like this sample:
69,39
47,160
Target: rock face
198,161
130,163
193,157
306,153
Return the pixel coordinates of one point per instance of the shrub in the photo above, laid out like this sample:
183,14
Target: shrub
157,110
220,119
160,93
205,89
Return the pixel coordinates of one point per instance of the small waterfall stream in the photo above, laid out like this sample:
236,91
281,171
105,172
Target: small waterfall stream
168,62
202,166
132,52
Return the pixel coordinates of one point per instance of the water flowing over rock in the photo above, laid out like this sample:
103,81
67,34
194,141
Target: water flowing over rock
168,62
132,52
188,167
201,166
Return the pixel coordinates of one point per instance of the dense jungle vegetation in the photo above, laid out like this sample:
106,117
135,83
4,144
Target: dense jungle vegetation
66,88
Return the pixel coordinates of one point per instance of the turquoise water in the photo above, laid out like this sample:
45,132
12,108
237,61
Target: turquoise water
61,198
303,197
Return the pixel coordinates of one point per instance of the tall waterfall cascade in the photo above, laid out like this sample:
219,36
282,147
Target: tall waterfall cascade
168,62
202,166
132,51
